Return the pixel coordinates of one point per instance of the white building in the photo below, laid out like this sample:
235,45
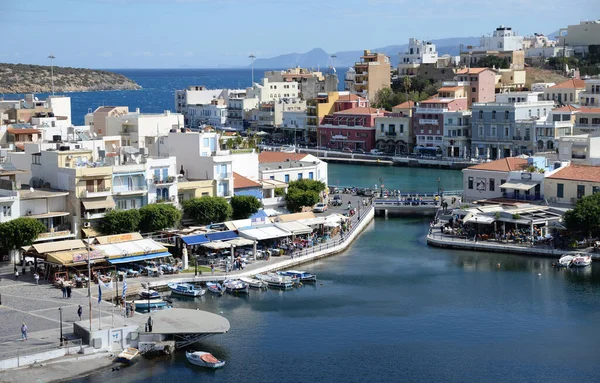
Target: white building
195,95
502,39
582,149
286,167
214,114
580,36
418,52
238,109
162,177
272,91
591,95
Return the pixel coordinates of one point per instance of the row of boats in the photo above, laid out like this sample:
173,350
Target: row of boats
282,280
575,260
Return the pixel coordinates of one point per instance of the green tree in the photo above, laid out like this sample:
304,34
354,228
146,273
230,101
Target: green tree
20,232
298,198
490,61
585,216
207,210
159,216
244,206
307,185
386,98
120,221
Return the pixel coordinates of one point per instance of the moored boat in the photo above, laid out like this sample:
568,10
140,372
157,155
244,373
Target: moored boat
185,289
303,276
149,294
582,260
215,288
204,359
566,260
127,355
254,283
276,281
236,286
152,303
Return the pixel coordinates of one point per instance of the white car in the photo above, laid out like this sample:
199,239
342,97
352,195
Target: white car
376,152
320,207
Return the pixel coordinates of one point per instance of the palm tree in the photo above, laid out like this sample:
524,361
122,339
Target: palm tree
407,84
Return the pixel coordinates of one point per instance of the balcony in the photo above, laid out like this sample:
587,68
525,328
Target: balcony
168,199
223,176
130,190
97,215
578,156
162,181
390,134
420,109
100,192
426,121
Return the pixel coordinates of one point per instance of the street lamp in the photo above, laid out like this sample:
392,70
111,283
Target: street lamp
252,57
51,57
61,328
89,283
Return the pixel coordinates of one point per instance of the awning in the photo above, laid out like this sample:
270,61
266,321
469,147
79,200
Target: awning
217,245
221,235
519,185
132,248
295,216
194,239
483,219
294,227
90,232
99,203
137,258
314,221
240,242
259,233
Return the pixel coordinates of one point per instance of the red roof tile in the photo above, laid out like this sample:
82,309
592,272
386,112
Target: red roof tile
578,173
269,157
573,83
472,70
241,182
405,105
566,108
349,97
23,131
361,110
503,165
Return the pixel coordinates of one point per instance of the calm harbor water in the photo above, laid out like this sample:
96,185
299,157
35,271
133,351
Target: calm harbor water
392,309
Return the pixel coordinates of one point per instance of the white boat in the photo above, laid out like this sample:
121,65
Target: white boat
215,288
185,289
236,286
127,355
566,260
149,294
254,283
303,276
204,359
276,281
152,303
582,260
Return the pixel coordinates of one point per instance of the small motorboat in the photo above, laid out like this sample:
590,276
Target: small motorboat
276,281
582,260
236,286
215,288
185,289
303,276
149,294
127,355
204,359
295,279
141,304
566,260
254,283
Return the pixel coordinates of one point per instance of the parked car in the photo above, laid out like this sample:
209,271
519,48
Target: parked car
336,200
320,207
347,150
376,152
360,151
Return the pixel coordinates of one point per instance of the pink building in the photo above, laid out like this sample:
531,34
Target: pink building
428,120
351,128
480,83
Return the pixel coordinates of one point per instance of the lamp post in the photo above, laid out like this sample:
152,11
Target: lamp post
252,57
89,284
196,265
381,185
61,328
51,57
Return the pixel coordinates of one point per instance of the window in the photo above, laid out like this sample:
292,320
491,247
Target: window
492,184
381,127
470,183
449,121
506,113
493,114
122,204
560,191
506,132
502,182
481,114
6,210
529,112
474,90
299,176
311,175
583,120
580,191
36,159
481,131
473,99
401,128
493,129
287,178
595,189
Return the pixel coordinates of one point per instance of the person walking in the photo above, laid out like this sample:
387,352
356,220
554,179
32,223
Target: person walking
212,269
64,291
16,274
23,331
79,311
150,323
36,277
69,291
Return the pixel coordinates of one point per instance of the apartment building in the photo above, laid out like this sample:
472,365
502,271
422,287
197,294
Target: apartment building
479,83
55,108
504,128
310,83
268,91
428,120
286,167
567,92
238,112
372,73
393,133
351,128
590,96
418,52
580,36
587,120
582,149
457,133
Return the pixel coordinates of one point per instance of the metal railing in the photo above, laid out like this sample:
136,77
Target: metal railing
29,355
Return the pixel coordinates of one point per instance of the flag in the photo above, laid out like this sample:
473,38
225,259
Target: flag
99,292
124,288
102,285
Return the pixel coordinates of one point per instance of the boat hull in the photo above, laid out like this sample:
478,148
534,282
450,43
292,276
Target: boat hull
153,303
195,359
185,291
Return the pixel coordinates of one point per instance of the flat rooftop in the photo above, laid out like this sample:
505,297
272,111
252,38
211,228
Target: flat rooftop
184,321
41,193
285,165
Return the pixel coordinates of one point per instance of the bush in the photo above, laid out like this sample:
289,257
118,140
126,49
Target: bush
159,216
244,206
120,221
207,210
297,198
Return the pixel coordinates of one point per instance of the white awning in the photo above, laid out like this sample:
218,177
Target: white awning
240,242
519,185
313,221
216,245
294,227
259,233
143,246
99,203
483,219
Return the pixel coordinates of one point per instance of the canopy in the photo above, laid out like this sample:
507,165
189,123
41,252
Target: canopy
263,232
221,235
294,227
72,244
313,221
217,245
519,185
99,203
137,258
194,239
295,216
238,223
240,242
143,246
484,219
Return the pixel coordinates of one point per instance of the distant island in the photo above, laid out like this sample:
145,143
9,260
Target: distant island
25,78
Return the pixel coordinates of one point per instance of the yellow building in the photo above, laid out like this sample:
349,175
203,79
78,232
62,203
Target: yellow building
572,183
510,80
372,74
567,92
316,109
196,189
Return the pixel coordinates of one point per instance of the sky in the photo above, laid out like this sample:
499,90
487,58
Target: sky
223,33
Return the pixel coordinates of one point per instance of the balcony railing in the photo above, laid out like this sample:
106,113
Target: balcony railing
222,176
166,199
392,134
162,181
426,121
123,190
578,156
99,215
100,192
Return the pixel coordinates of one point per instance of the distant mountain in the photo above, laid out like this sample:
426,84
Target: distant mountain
319,58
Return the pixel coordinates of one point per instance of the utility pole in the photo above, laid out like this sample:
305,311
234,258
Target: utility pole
89,284
51,57
252,57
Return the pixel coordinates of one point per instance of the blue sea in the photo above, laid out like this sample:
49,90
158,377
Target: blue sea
158,88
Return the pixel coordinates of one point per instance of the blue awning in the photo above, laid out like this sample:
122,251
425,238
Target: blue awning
137,258
249,192
195,239
222,235
259,214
